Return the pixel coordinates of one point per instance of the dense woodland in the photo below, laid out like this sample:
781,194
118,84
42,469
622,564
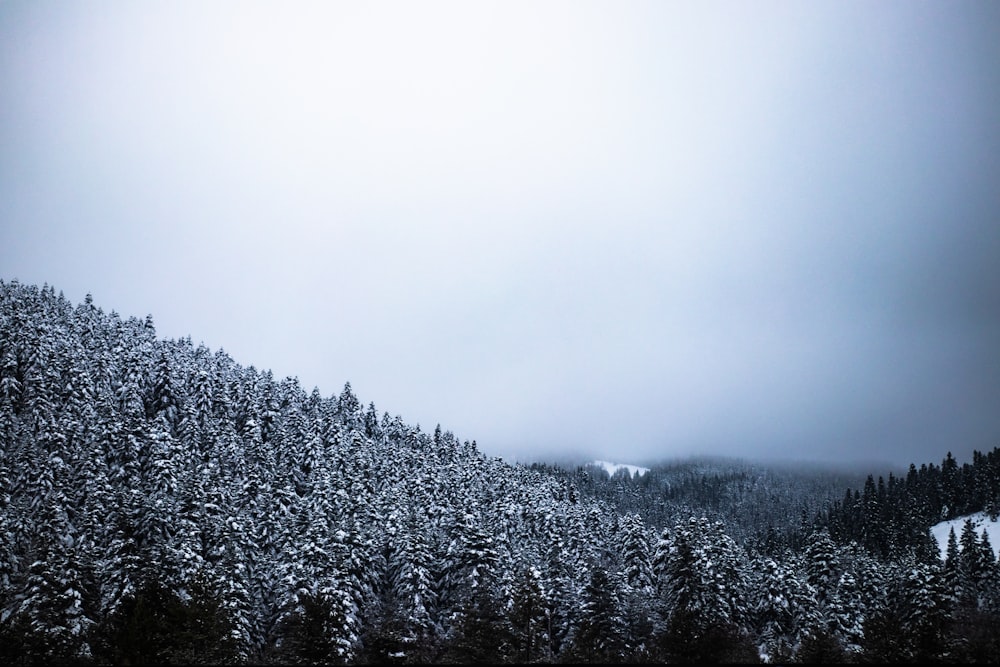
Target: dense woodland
161,503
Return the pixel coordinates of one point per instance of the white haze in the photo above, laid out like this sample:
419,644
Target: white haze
623,230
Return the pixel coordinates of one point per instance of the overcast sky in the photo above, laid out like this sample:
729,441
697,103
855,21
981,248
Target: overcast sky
627,230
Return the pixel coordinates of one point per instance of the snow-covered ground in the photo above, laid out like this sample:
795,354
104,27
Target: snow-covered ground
980,520
612,468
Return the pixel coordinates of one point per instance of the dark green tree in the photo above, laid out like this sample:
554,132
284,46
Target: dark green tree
600,635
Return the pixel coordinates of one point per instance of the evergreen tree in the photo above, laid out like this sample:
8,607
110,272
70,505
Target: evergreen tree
914,626
704,589
528,618
600,636
57,606
783,610
636,553
156,626
479,633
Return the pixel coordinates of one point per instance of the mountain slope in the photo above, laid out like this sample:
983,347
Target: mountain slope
162,503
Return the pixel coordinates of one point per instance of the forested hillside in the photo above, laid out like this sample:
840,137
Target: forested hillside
162,503
765,507
772,507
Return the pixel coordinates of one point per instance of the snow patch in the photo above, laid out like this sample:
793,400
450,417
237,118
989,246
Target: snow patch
981,521
612,468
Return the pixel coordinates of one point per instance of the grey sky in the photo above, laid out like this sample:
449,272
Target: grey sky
628,230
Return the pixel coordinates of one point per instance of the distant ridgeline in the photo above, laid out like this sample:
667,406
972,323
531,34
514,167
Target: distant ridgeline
770,508
160,503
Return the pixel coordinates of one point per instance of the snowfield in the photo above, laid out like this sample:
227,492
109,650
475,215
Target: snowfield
981,520
612,468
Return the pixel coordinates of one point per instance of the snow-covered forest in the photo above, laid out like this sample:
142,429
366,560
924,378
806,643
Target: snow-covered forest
162,503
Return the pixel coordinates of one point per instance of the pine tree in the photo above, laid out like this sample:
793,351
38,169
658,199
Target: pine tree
528,618
479,633
600,636
635,554
783,610
704,590
58,602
